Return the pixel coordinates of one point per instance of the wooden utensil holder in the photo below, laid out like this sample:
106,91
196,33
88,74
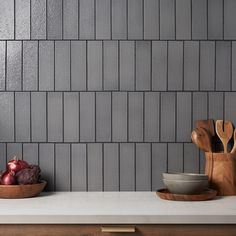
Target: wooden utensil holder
221,170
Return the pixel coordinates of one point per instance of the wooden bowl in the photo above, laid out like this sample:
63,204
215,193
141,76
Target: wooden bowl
22,191
207,194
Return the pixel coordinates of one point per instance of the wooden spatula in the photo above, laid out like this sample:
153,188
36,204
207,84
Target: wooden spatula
202,139
224,130
234,147
207,125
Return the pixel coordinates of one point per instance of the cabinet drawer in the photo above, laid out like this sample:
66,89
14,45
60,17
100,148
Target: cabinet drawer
115,230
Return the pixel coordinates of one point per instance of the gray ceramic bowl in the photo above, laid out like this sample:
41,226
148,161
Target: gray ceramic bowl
184,176
185,186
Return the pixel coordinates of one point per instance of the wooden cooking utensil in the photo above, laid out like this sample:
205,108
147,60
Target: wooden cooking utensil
202,139
234,147
207,125
224,130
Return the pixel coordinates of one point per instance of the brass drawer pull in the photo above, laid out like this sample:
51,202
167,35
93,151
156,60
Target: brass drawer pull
118,229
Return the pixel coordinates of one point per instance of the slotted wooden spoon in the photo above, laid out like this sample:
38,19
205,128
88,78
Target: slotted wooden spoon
224,130
234,147
202,139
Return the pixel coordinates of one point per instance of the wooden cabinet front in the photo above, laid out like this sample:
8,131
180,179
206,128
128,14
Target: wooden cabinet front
116,230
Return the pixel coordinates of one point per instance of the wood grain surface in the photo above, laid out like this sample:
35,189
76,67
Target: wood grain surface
221,169
206,195
95,230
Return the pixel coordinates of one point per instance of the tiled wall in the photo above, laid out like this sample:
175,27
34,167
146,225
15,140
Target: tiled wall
103,94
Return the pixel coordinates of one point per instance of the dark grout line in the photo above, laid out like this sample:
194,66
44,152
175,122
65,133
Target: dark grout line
118,91
86,167
129,40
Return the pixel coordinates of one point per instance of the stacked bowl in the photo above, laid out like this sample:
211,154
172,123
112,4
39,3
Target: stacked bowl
185,183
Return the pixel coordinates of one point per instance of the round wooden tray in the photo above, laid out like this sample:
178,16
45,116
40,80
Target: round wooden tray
207,194
22,191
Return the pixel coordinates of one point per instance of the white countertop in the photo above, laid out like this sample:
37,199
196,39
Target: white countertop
114,208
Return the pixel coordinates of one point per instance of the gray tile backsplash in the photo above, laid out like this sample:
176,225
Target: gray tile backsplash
103,94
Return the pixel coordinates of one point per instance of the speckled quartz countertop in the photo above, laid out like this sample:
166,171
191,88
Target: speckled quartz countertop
114,208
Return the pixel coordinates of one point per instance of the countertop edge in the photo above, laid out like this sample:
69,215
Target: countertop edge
108,219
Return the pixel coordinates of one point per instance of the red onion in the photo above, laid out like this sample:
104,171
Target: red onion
16,165
8,178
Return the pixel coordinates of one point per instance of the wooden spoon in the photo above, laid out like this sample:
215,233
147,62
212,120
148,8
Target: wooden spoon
234,147
224,130
202,139
207,125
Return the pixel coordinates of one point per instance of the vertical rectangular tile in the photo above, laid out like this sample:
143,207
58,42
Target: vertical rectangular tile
79,167
143,167
199,19
30,153
135,19
38,116
110,64
22,116
233,66
119,19
46,161
86,19
111,167
103,117
71,117
207,65
14,149
184,122
14,55
3,156
62,167
30,65
7,19
46,65
127,167
103,17
199,106
183,19
151,19
135,117
216,105
159,164
95,65
191,158
151,117
143,65
127,65
175,157
215,19
223,65
87,117
55,122
191,65
2,65
22,19
95,167
54,19
230,113
229,19
62,65
119,117
78,65
168,117
7,117
38,19
167,19
175,65
70,19
202,162
159,65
